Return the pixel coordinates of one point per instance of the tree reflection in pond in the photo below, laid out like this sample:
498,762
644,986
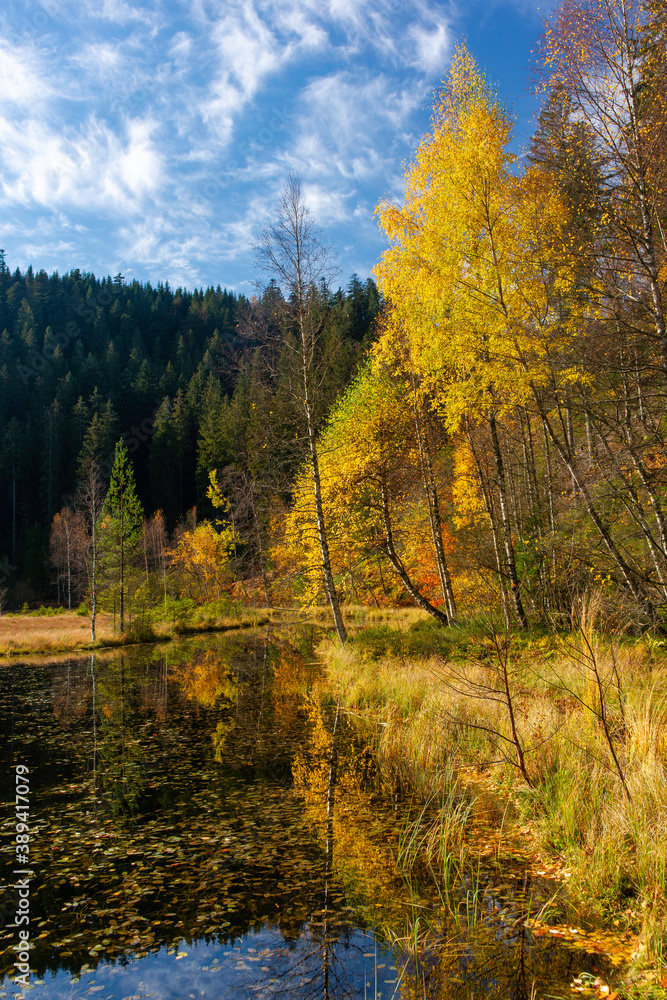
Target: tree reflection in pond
201,825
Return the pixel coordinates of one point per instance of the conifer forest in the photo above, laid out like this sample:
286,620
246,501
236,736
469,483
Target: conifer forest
357,586
484,416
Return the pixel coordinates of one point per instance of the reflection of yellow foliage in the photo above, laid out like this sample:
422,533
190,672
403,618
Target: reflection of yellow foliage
364,849
364,856
311,766
290,681
219,737
289,675
206,679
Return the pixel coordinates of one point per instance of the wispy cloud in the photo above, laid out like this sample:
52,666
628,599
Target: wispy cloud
121,12
432,46
153,136
90,169
25,77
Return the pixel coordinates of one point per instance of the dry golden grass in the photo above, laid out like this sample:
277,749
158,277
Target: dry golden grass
578,811
23,634
27,635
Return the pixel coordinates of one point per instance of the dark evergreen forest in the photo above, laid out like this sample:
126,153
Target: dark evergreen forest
189,380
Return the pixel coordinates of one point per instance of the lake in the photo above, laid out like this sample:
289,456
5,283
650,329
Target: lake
202,826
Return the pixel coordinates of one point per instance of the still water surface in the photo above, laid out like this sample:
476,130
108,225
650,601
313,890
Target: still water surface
192,836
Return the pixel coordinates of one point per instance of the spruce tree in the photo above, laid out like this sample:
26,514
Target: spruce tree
122,517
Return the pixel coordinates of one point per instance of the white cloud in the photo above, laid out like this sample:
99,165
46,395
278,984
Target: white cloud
153,137
327,206
139,165
247,52
253,45
90,169
432,47
120,12
24,80
342,118
181,47
98,59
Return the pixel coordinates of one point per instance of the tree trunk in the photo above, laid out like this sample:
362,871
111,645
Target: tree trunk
494,535
292,252
515,589
433,506
69,568
329,583
93,585
395,561
602,528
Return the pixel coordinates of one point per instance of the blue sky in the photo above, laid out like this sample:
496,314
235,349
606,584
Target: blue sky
152,138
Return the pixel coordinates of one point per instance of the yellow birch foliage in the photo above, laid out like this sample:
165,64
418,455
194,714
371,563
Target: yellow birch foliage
216,496
466,491
201,560
472,270
367,445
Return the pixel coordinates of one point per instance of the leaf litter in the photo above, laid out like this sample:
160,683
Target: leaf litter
167,828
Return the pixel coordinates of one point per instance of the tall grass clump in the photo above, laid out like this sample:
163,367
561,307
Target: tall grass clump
568,727
434,843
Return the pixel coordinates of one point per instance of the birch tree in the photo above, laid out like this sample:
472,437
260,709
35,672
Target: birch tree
292,252
469,280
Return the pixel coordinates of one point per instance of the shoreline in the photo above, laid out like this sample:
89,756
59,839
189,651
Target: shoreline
445,733
46,627
69,624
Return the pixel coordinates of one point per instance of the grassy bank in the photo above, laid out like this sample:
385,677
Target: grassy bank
31,634
50,631
566,733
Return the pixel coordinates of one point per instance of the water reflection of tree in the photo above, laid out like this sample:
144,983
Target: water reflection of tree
221,850
70,692
258,729
120,772
206,677
326,770
490,955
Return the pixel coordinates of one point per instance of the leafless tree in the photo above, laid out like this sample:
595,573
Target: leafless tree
67,547
155,543
292,251
90,499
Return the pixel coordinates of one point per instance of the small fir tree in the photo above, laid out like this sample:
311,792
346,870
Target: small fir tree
122,518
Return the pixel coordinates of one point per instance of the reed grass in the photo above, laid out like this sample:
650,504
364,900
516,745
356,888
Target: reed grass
592,718
26,634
